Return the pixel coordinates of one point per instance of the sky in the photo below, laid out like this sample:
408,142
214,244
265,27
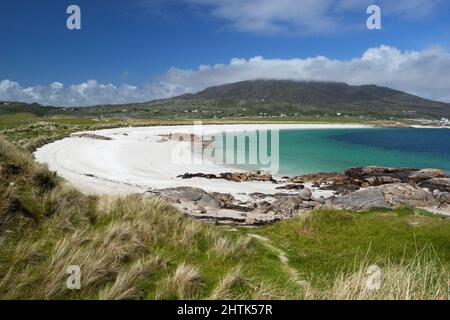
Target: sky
139,50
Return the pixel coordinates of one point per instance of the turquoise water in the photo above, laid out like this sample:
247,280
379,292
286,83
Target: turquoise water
328,150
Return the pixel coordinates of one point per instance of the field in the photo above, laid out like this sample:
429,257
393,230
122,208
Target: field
138,247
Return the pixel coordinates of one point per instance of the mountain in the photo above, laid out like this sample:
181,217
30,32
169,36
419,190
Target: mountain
322,97
267,98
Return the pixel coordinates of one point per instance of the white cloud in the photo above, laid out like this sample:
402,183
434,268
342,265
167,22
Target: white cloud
305,17
424,73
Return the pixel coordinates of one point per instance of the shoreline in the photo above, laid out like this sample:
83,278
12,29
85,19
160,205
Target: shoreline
137,161
140,160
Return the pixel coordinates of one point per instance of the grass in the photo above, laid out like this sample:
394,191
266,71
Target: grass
9,121
126,247
327,244
138,247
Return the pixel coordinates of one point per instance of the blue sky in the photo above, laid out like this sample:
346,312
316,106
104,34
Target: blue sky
127,50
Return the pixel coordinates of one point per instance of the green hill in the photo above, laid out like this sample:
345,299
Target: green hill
268,98
265,98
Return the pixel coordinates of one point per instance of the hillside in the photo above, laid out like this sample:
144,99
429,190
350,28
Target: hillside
31,108
266,98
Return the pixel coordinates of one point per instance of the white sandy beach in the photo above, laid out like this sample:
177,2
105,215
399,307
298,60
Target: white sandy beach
136,160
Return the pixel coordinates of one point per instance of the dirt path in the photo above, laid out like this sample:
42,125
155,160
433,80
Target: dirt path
283,259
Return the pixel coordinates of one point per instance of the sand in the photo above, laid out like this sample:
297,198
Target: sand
136,160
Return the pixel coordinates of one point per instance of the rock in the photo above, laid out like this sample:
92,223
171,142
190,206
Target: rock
427,174
309,205
90,136
386,196
202,210
258,195
379,180
441,184
195,195
360,200
232,176
442,197
319,178
292,186
227,201
250,221
287,206
246,176
406,194
329,181
197,175
374,175
305,194
264,207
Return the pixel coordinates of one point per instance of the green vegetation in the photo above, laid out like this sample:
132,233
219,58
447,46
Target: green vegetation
326,241
140,247
9,121
128,247
265,100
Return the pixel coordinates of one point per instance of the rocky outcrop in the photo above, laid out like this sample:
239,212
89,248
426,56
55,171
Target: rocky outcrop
441,184
198,175
354,179
386,196
291,186
232,176
196,196
320,178
357,189
338,182
225,207
90,136
374,176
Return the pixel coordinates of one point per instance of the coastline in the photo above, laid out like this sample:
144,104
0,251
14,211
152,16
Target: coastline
141,160
135,160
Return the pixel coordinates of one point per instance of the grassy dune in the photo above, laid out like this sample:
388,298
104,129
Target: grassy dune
138,247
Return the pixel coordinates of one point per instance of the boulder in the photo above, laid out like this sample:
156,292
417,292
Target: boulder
246,176
291,186
379,180
231,176
227,201
197,175
427,174
264,207
374,175
195,195
362,173
441,184
386,196
305,194
406,194
319,178
287,206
